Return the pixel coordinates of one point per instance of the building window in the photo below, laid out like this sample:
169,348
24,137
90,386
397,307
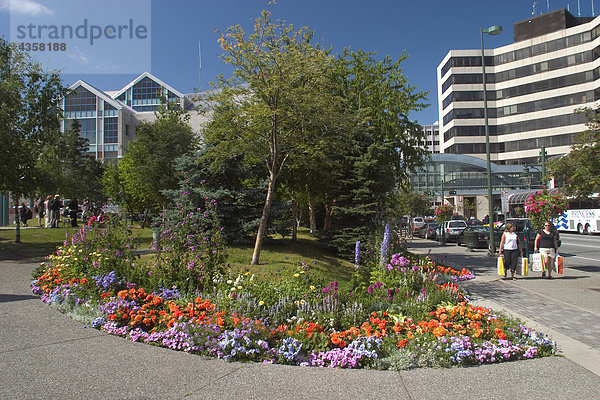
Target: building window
80,100
111,130
87,128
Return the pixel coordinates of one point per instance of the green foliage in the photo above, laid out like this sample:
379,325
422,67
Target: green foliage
270,112
443,213
543,206
580,168
148,166
29,120
412,203
234,186
379,152
190,252
65,164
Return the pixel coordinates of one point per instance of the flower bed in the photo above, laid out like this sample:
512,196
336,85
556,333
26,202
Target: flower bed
411,313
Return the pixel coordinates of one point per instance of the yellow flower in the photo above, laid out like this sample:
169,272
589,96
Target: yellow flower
312,287
296,275
247,273
261,303
233,289
302,272
302,301
229,282
240,287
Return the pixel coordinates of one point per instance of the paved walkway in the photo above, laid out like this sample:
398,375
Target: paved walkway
47,355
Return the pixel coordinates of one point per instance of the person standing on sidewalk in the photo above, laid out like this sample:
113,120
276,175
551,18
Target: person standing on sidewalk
511,248
546,241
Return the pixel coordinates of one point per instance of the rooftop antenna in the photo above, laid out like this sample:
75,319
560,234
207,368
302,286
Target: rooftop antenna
579,8
593,13
199,66
568,7
547,5
533,11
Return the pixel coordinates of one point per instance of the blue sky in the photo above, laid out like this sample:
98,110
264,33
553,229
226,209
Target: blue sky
425,29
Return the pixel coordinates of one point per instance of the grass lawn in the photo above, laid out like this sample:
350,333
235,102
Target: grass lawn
37,242
276,254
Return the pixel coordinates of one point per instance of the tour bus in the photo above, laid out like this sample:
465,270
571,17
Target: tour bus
582,216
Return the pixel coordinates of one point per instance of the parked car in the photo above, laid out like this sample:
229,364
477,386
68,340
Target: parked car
452,228
429,230
481,235
418,223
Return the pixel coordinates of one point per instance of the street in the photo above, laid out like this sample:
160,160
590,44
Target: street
581,252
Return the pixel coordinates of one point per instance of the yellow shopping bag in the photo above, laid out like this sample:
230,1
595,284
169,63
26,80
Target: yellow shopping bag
524,266
501,266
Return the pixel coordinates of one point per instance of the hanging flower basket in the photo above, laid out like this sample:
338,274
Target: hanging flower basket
444,212
543,206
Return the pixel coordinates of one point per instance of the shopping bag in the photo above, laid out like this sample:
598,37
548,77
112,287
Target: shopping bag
536,262
501,271
523,262
558,264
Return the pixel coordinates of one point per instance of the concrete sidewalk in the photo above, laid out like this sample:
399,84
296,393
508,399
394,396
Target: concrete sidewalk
47,355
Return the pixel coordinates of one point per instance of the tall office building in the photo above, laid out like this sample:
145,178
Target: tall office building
431,136
533,88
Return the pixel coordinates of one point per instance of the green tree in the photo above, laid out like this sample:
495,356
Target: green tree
580,168
279,82
29,120
148,166
68,169
412,203
379,152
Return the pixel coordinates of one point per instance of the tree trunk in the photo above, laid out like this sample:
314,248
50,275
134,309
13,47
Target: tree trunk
295,218
263,220
312,214
18,222
328,213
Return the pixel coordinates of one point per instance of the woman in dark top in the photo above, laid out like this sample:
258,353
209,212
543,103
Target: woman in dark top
546,242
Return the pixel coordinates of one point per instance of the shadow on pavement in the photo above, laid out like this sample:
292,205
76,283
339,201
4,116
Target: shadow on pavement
6,298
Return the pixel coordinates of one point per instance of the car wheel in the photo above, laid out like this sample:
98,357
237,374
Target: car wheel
426,235
580,229
458,243
586,230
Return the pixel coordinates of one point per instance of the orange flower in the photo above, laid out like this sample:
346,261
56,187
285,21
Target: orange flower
439,331
403,343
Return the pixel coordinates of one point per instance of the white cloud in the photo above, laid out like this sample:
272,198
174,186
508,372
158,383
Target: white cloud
78,56
27,7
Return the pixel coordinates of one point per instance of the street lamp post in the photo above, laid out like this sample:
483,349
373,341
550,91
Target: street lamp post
492,30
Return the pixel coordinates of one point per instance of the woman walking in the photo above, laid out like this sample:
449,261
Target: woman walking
546,241
511,248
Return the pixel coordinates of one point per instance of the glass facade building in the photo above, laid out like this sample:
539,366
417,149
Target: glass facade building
109,119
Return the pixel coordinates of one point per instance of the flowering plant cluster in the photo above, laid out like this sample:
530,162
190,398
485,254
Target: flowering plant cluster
543,206
443,212
411,314
190,251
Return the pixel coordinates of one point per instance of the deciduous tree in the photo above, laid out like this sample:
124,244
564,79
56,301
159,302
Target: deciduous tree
279,83
28,120
580,168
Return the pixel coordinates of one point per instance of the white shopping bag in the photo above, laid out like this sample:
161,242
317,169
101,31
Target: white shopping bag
536,262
